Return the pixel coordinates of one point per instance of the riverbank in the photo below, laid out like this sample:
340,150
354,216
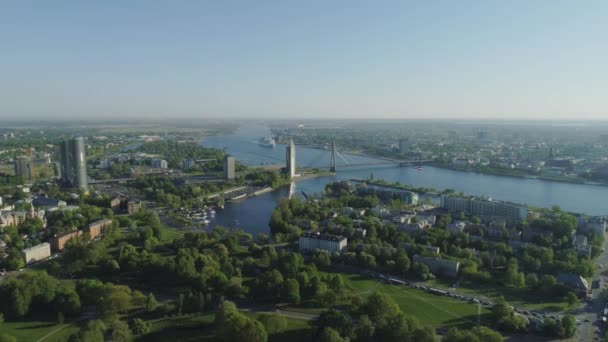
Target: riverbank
500,173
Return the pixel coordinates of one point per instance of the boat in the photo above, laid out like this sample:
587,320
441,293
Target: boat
206,221
266,142
419,168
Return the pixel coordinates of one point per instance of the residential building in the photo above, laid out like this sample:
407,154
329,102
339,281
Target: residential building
380,211
58,242
486,209
457,226
73,163
48,203
36,253
96,228
575,282
133,206
581,246
188,163
159,164
429,249
311,241
597,224
439,266
115,203
229,167
24,168
430,219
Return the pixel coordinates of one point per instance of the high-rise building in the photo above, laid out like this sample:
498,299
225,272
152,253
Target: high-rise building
229,167
486,209
73,163
24,168
159,164
290,159
311,241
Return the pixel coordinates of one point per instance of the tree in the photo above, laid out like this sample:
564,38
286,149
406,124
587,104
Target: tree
365,329
240,328
551,327
571,298
274,323
151,302
379,306
291,291
121,331
140,327
93,331
330,335
477,334
568,325
336,320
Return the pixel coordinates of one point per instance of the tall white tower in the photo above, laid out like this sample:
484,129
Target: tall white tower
290,159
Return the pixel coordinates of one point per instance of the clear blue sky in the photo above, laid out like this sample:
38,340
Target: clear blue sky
394,59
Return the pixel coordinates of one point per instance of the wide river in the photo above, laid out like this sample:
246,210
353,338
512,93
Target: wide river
252,215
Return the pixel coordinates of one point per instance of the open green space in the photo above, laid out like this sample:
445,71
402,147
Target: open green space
429,309
200,328
517,297
26,331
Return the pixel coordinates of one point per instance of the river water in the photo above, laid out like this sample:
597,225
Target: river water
252,215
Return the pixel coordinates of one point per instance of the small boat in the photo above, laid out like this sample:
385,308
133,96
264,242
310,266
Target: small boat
266,142
419,168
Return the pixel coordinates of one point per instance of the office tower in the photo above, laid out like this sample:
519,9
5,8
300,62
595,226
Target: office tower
24,168
229,168
290,159
74,163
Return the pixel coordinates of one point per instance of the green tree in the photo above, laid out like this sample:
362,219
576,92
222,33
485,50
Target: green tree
93,331
274,323
568,325
380,306
337,320
140,327
291,291
571,298
365,329
330,335
121,331
151,302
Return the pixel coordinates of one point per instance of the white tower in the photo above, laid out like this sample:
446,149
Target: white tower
290,158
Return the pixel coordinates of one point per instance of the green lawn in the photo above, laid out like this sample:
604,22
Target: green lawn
168,234
200,328
516,297
26,331
430,310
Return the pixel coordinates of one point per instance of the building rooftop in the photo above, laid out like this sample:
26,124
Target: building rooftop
316,235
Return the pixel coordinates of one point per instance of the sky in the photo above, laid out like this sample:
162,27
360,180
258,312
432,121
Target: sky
304,59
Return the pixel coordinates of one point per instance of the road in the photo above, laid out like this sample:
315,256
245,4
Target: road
591,329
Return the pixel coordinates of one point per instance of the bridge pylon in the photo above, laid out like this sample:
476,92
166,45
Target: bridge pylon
332,163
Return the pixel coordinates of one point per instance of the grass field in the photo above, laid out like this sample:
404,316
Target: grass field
168,234
430,310
26,331
200,328
516,297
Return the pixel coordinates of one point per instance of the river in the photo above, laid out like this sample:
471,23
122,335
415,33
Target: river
252,215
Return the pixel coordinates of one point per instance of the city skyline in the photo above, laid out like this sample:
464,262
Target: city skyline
395,60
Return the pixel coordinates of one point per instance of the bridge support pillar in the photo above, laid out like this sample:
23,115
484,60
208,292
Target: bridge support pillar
332,164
